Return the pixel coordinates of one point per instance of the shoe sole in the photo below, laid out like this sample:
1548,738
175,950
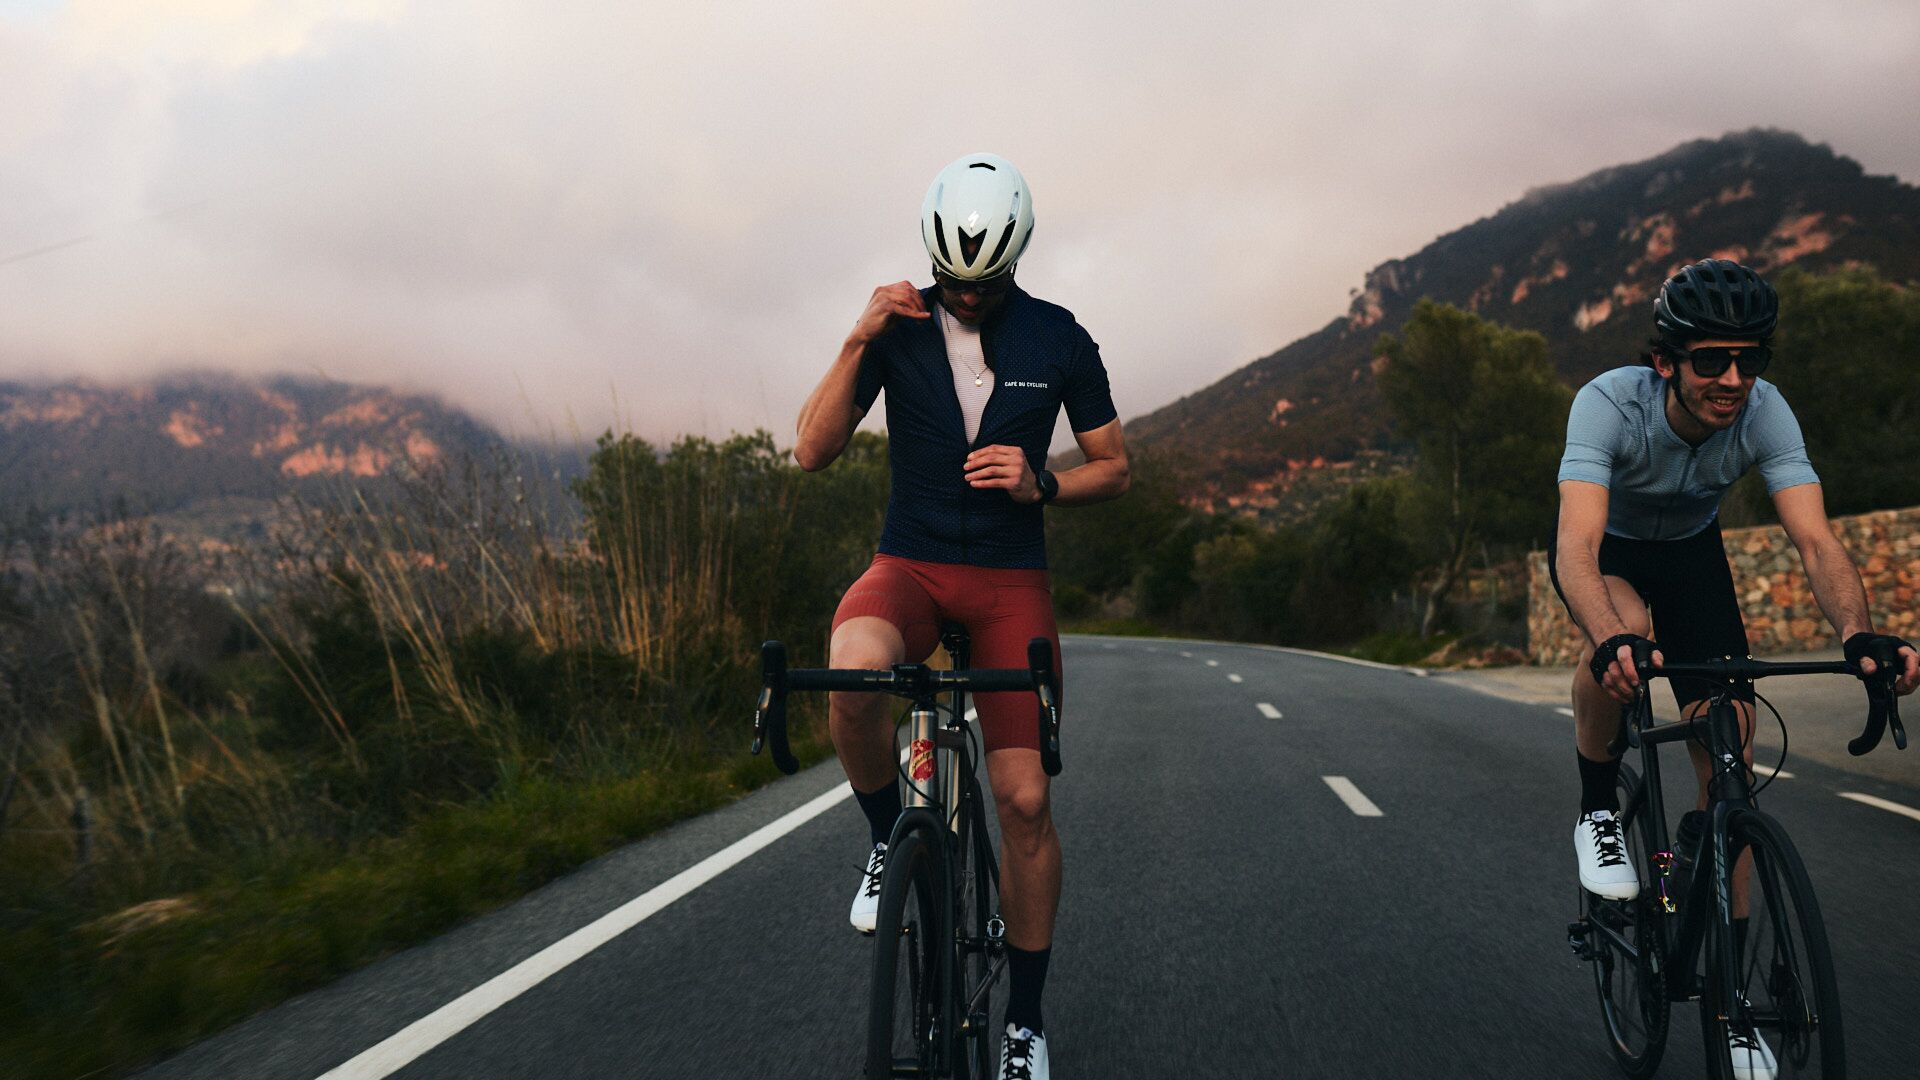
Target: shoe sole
1612,892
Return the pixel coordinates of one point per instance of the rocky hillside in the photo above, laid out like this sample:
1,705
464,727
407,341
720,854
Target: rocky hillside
1578,262
213,445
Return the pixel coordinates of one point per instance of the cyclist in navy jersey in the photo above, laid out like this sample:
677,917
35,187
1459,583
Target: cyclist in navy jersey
1650,452
975,373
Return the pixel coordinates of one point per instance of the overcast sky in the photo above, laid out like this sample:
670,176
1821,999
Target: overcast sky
666,216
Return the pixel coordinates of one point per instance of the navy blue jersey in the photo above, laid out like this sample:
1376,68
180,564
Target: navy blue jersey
1042,360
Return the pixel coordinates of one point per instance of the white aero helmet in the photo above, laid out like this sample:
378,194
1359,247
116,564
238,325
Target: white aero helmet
977,218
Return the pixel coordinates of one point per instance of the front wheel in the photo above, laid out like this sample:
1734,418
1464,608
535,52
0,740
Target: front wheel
1783,992
912,1016
1632,985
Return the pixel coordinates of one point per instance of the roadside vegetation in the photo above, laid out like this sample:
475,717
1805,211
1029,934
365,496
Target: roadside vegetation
231,776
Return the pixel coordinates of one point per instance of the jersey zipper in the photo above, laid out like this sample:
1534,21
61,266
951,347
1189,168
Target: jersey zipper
1686,472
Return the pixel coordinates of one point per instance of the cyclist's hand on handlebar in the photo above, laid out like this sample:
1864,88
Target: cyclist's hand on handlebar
1612,666
887,302
1857,650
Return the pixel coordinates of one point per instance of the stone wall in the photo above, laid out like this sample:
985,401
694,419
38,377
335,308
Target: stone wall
1780,613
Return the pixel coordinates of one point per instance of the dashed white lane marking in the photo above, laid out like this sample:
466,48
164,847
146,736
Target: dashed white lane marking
1268,711
1769,770
1564,711
1235,678
1356,802
404,1046
1213,663
973,714
1882,804
1186,654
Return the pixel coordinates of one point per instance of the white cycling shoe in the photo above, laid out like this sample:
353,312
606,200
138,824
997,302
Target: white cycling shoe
1752,1058
866,899
1605,869
1023,1055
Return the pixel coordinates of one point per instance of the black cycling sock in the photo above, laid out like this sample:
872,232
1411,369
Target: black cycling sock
882,809
1596,784
1026,979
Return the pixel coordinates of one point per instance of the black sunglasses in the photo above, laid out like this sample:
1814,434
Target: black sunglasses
992,286
1712,361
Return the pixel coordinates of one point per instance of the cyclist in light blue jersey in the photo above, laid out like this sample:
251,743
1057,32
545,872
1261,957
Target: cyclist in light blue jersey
1650,453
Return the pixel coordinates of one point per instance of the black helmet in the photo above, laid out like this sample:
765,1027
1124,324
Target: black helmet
1715,298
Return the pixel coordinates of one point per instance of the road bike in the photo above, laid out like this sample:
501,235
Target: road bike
939,943
1679,939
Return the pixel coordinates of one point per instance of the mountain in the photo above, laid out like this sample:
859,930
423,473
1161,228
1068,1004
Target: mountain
214,447
1578,262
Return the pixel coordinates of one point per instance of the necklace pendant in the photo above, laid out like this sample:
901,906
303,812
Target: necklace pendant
976,380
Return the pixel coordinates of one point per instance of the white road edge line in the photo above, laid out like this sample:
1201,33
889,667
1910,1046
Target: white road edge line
1268,711
403,1047
1882,804
1235,678
1356,802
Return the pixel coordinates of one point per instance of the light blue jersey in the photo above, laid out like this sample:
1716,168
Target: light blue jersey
1659,487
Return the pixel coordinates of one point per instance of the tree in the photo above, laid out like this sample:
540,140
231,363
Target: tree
1104,548
1482,404
1846,364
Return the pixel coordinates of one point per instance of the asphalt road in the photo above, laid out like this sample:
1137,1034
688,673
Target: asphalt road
1227,912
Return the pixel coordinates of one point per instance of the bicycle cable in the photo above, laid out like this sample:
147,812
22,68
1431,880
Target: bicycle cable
1782,723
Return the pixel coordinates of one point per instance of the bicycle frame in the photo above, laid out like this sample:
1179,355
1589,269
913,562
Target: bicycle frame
1727,790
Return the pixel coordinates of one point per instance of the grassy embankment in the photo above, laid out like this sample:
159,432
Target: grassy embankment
227,781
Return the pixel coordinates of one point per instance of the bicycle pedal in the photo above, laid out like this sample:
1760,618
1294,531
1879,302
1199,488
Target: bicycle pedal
1580,939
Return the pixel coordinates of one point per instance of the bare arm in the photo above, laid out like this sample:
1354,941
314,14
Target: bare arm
1103,476
1583,524
1830,571
830,414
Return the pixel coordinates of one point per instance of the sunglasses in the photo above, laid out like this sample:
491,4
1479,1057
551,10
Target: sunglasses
1711,362
992,286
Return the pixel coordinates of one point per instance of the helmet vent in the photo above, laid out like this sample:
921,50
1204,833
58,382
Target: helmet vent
940,237
970,245
1006,237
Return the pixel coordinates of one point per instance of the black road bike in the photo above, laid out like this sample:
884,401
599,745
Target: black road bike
939,944
1678,939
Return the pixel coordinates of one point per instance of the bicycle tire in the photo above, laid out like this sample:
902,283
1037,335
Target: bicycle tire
975,909
1784,968
910,1018
1633,991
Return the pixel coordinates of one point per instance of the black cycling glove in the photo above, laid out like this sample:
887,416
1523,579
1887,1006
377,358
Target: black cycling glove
1609,650
1861,646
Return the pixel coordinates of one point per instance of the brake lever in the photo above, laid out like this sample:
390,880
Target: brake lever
770,712
1883,709
1040,663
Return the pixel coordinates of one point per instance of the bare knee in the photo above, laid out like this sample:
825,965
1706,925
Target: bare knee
1026,813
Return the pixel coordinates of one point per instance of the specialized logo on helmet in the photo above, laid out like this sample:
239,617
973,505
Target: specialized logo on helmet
920,760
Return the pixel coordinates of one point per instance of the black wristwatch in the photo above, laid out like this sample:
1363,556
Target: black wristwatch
1048,484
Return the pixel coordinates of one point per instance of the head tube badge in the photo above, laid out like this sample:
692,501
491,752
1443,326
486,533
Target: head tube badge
920,760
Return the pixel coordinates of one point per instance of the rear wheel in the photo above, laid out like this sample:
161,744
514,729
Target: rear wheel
910,1020
1784,992
1632,985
